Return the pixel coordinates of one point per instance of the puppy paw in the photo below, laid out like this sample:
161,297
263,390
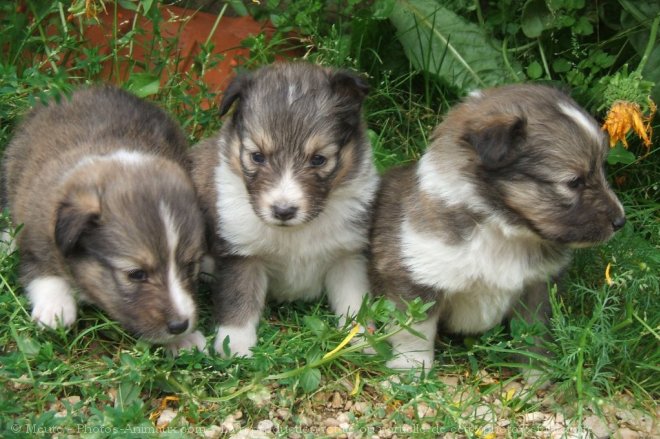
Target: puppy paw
411,360
194,340
241,339
53,302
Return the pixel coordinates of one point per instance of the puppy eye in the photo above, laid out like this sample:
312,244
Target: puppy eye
137,275
258,158
318,160
575,183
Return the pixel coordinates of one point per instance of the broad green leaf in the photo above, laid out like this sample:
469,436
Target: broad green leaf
561,65
238,7
310,380
29,346
536,18
438,41
143,84
534,70
382,9
583,27
620,155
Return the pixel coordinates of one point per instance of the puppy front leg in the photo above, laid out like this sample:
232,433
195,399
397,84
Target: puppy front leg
53,301
239,295
533,307
347,284
411,351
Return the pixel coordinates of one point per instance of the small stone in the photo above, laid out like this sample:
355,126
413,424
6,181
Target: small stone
213,432
228,424
238,415
337,401
626,433
345,426
343,417
597,426
534,417
283,413
360,407
331,422
333,430
407,428
426,426
166,416
265,425
449,380
348,405
385,433
485,377
485,413
303,421
73,400
424,411
249,434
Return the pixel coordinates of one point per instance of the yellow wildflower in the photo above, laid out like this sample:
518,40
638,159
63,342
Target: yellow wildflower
356,387
624,116
344,342
608,278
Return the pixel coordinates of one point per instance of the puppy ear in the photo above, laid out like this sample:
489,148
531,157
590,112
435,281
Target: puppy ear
350,85
77,215
234,91
496,142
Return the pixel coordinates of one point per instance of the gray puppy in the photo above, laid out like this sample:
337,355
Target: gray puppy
513,178
287,187
108,214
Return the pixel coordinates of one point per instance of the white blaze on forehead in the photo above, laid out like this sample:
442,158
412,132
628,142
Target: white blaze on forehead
129,157
122,156
180,298
582,120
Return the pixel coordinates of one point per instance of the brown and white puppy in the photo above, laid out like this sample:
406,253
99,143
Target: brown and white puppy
108,214
287,187
513,178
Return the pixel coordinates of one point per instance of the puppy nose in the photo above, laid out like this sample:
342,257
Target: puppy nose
284,212
177,327
619,222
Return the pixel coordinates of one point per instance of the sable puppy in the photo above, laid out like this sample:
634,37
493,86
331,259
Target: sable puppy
108,214
287,187
513,178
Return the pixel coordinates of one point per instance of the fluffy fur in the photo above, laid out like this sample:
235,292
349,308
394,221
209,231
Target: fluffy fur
108,214
512,179
287,187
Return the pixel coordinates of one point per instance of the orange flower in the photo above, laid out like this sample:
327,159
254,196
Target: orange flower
624,116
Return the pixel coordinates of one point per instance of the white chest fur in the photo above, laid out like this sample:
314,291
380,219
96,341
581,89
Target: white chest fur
296,258
481,277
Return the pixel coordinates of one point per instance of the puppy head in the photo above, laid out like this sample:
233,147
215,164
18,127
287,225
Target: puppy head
131,235
295,135
539,158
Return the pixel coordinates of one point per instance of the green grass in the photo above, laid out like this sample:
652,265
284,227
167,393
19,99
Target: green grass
98,381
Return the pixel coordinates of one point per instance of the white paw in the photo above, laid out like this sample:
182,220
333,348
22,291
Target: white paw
411,360
241,339
194,340
53,302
